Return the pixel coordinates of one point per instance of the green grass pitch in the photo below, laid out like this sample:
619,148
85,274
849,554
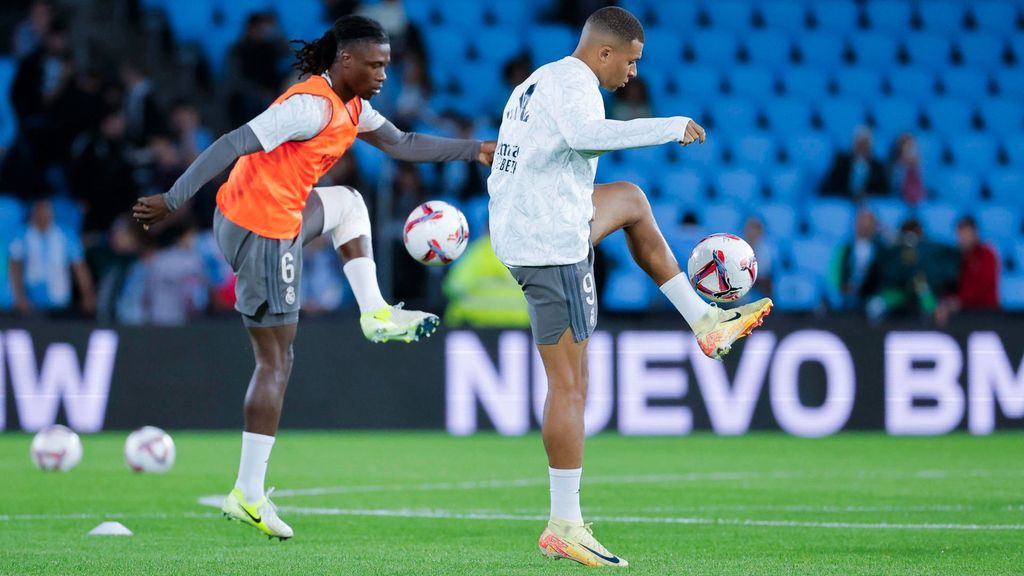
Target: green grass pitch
426,503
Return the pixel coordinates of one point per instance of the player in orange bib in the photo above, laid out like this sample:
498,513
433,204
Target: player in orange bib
269,208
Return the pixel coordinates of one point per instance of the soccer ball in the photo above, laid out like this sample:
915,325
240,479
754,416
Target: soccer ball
149,449
435,233
56,448
722,267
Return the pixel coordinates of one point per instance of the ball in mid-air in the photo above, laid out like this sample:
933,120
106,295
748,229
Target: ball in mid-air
722,267
435,233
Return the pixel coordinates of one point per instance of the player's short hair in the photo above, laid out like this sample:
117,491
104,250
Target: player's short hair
317,56
618,22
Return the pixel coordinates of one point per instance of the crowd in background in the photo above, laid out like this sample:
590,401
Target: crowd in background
95,134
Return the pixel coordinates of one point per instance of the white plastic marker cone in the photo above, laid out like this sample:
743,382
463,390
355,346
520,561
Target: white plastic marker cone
110,529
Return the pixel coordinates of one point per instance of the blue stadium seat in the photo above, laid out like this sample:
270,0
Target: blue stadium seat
751,82
628,291
780,220
475,210
830,219
995,16
8,121
447,48
1011,80
549,42
12,213
729,14
1016,252
626,172
811,152
303,19
421,13
616,249
981,51
756,152
998,223
713,48
1017,48
1014,146
958,187
930,149
514,16
726,218
875,50
463,14
841,117
967,84
667,214
1002,116
914,84
734,116
784,16
1007,186
835,16
789,114
190,21
768,48
928,50
739,185
701,83
939,220
892,16
706,156
977,152
1011,291
821,49
890,212
497,46
812,255
642,9
678,15
685,187
860,83
944,17
894,115
662,48
67,214
950,117
796,292
808,83
786,185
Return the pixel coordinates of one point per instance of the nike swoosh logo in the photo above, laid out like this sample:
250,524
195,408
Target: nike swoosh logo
736,316
612,559
256,519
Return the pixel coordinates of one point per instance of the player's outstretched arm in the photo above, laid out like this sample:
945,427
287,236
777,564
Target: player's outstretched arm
416,147
221,154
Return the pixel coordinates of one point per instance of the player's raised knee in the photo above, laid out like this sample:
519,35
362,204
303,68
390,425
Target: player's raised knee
345,214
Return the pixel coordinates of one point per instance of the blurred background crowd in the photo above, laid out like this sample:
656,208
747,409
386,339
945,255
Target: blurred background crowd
872,152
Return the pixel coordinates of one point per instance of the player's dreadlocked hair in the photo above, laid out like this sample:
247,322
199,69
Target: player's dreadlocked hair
316,56
618,22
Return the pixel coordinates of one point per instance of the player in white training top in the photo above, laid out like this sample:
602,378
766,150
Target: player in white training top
546,215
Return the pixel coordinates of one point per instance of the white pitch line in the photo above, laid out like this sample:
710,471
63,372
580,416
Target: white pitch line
106,516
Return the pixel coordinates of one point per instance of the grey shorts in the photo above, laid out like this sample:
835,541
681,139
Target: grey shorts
560,297
268,273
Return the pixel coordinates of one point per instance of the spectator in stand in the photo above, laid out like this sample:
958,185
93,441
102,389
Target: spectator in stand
191,137
175,288
857,173
412,106
409,278
42,260
632,101
110,263
481,292
143,116
101,175
905,170
978,282
41,79
255,69
322,288
29,33
853,260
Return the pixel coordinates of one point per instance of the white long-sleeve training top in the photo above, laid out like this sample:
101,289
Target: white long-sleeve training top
553,129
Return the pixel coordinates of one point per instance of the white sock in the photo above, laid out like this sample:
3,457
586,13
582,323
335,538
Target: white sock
253,467
685,298
362,276
565,494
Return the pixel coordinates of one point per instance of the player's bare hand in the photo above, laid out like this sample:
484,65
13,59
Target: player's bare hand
486,156
149,210
694,133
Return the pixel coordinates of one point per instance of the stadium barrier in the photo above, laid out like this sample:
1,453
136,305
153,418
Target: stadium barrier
807,378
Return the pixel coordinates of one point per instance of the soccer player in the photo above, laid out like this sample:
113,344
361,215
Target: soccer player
268,209
546,216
